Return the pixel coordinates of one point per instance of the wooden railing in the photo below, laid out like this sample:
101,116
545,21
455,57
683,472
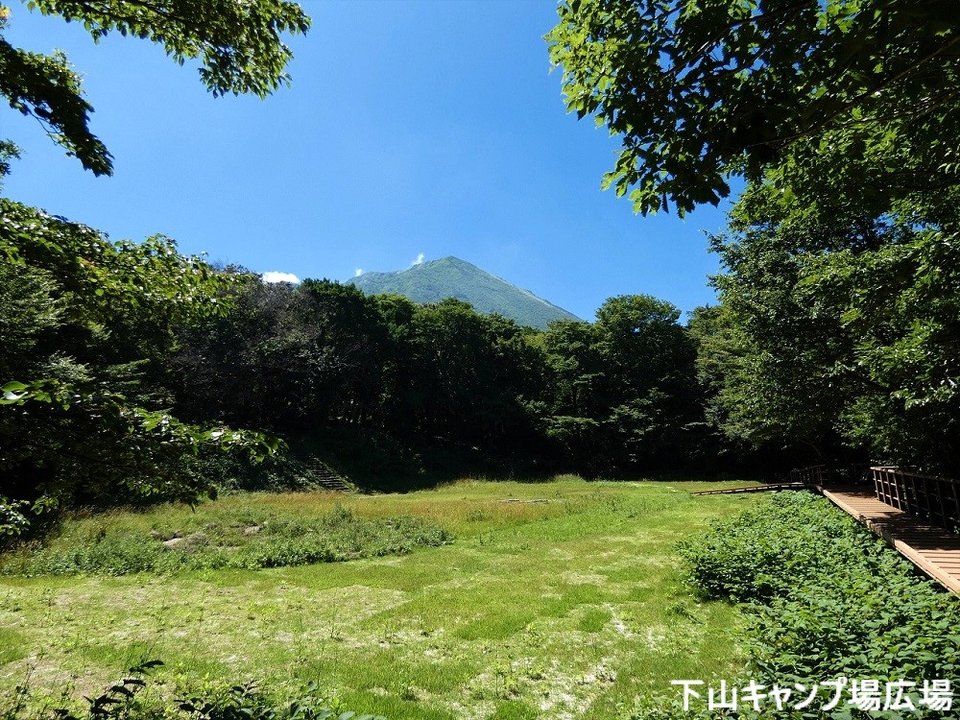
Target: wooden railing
849,474
810,475
933,498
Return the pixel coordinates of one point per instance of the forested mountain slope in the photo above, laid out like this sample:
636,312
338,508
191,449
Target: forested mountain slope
452,277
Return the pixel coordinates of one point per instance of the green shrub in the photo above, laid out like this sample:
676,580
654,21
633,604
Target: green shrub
250,539
765,551
826,599
232,471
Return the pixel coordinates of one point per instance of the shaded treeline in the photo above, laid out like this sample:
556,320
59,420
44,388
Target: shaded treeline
601,398
129,369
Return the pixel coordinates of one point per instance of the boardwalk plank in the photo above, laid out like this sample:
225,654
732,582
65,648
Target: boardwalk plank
932,549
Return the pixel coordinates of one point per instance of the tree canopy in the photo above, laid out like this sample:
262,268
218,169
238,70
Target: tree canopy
837,326
239,45
701,90
89,326
838,329
88,330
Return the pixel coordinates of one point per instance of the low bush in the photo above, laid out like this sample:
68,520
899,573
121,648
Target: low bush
826,600
232,471
250,539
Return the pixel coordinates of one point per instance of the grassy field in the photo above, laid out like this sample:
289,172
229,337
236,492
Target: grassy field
554,600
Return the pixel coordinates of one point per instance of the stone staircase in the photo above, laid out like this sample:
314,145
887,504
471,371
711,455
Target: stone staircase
326,477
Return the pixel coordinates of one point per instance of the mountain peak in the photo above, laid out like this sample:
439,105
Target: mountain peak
446,260
452,277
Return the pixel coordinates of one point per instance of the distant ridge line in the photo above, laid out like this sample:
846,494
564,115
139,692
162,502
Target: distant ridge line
450,277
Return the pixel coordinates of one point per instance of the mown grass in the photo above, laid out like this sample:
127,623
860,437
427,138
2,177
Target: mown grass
567,607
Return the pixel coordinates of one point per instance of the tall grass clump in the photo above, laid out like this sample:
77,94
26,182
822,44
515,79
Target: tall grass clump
248,539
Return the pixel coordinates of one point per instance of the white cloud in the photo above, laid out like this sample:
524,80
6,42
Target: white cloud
418,261
278,277
358,272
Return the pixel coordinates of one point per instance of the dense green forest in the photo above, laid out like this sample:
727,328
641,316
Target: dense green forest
132,373
837,327
136,373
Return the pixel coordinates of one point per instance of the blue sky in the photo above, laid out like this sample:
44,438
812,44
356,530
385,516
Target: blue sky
410,127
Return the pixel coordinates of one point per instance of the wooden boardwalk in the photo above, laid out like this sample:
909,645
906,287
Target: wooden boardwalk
769,487
932,549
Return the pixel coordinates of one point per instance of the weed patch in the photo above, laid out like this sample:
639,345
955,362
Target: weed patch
826,600
135,698
248,539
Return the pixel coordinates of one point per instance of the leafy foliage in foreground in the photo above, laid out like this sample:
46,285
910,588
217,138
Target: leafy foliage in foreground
240,47
827,599
699,91
250,538
126,700
87,327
